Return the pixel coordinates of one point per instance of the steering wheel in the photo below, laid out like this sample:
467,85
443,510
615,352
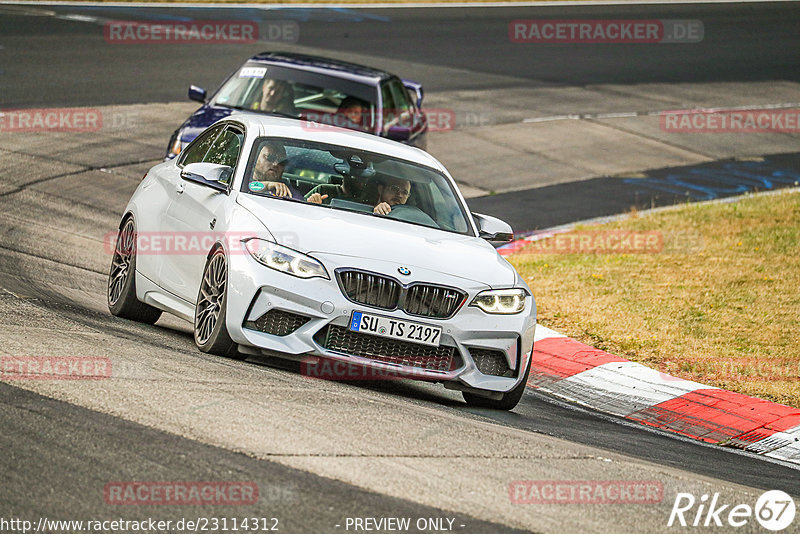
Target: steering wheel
404,212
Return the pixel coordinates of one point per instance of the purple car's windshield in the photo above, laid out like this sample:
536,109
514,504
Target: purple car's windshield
312,96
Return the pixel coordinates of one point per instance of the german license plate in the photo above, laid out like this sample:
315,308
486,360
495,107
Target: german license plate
377,325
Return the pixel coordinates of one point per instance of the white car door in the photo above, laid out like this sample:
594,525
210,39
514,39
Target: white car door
192,215
153,197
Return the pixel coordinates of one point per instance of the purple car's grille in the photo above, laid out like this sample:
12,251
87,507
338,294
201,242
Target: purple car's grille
378,291
340,339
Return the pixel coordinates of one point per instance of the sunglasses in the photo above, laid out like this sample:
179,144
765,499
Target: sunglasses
276,159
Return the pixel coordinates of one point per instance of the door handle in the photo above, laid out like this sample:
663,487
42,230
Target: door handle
180,188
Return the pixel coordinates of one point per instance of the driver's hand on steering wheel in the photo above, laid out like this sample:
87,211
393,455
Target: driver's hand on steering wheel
382,209
278,189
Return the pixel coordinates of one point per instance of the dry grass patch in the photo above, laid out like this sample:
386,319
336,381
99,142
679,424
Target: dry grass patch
720,304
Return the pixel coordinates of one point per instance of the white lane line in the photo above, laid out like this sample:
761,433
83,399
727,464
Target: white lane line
78,18
555,118
619,114
616,115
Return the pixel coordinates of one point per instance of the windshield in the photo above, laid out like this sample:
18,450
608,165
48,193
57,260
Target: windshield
311,96
344,178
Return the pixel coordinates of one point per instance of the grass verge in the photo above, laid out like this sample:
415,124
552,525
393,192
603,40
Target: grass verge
718,303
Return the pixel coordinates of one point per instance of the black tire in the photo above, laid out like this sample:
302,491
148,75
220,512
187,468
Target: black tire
508,401
210,333
121,289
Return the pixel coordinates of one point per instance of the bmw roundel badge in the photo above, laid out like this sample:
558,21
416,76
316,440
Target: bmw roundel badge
404,270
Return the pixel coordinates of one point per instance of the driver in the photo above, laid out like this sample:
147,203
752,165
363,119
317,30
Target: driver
276,96
269,169
391,192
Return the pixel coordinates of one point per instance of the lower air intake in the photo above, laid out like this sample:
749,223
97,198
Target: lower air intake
491,362
277,322
340,339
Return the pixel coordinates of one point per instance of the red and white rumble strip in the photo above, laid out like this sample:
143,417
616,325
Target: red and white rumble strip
579,373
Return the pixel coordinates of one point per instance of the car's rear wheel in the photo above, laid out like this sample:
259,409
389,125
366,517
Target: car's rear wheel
508,401
210,333
121,292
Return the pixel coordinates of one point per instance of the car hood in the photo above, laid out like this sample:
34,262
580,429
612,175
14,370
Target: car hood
317,230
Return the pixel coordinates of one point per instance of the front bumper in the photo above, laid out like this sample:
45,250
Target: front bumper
254,290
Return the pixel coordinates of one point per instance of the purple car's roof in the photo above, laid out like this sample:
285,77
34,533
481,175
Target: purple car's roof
333,67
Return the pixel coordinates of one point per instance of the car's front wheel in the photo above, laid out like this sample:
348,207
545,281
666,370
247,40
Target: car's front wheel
121,291
210,333
508,401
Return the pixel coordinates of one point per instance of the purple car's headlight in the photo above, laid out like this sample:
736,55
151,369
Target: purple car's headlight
176,147
284,259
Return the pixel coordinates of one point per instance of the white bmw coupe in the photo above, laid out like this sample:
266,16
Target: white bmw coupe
293,239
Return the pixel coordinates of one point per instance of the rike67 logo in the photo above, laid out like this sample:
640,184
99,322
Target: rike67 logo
774,510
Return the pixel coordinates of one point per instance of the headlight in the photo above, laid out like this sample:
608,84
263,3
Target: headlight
285,259
505,301
176,147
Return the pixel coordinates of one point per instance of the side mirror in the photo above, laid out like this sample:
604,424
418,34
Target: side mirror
198,94
212,175
399,133
415,89
493,229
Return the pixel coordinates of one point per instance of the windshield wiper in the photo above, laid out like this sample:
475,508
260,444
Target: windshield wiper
235,107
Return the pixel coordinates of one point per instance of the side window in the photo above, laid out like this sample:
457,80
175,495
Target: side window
412,98
196,152
226,148
389,110
401,100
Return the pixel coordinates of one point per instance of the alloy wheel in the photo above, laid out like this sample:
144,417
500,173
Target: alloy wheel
212,293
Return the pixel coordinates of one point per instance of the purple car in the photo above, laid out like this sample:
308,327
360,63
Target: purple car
314,89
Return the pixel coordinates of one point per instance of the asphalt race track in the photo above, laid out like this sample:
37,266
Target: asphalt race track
322,452
744,42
